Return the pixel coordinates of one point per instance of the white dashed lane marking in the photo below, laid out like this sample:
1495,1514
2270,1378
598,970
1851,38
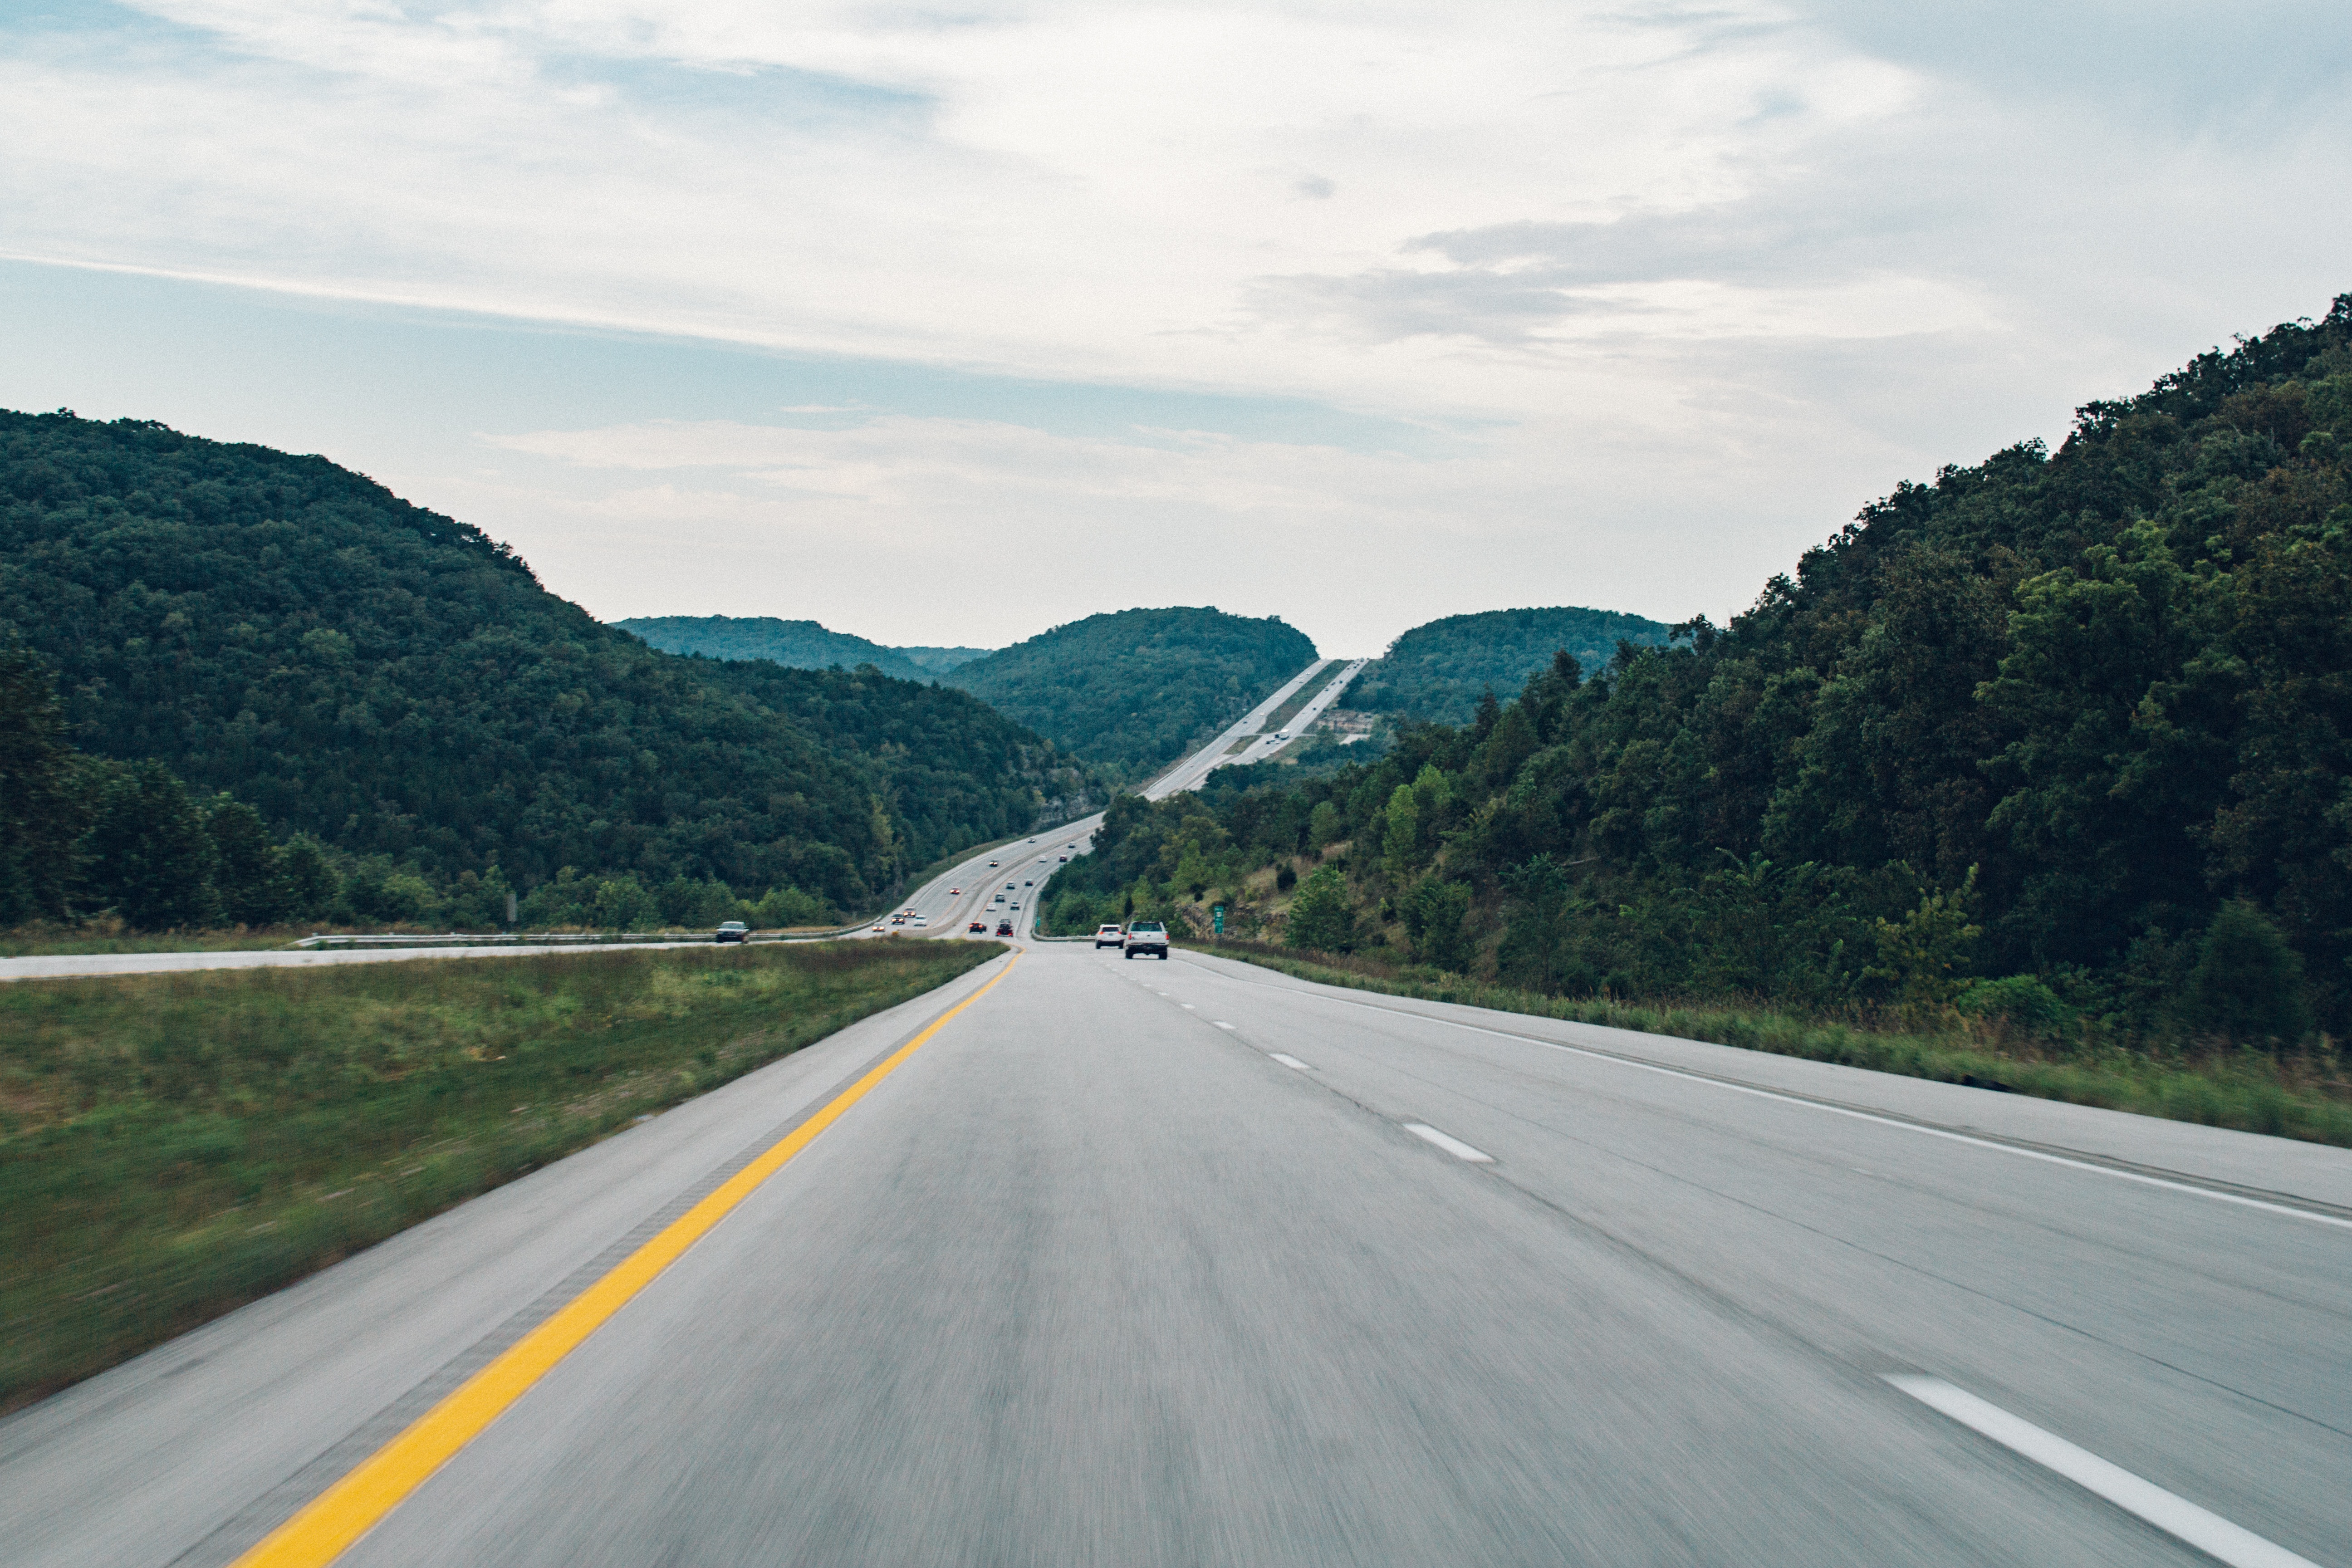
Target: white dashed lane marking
1453,1146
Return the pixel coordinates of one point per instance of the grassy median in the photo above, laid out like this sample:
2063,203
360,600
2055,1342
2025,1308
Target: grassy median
2305,1097
172,1145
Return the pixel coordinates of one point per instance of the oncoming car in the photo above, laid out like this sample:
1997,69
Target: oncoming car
734,931
1109,936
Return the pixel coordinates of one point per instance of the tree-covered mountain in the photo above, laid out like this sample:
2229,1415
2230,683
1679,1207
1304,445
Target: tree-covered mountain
1131,690
1439,671
797,645
2066,736
396,684
939,661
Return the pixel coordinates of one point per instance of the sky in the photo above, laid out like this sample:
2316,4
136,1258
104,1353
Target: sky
948,326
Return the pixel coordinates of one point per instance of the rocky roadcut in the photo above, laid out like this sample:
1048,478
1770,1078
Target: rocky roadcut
173,1145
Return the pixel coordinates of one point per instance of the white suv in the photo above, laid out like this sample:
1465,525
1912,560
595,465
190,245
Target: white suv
1109,936
1146,937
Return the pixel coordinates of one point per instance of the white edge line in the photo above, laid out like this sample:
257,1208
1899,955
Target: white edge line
2191,1188
2176,1516
1453,1146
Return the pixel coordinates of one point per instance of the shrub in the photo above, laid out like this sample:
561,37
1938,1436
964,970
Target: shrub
2248,983
1321,917
2021,1001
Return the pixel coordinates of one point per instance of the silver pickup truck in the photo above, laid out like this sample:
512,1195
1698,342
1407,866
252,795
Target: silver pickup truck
1147,937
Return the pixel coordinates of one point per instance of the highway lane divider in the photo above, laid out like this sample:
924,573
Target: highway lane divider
330,1523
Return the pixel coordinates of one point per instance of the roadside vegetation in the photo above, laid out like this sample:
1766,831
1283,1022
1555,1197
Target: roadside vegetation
2304,1095
2050,760
173,1145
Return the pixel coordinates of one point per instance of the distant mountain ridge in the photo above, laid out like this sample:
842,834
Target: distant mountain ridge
400,685
939,661
1132,689
795,645
1439,670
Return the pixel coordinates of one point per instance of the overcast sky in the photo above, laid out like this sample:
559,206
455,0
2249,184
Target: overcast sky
945,326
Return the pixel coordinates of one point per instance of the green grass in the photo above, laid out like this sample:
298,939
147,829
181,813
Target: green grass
2307,1099
51,941
172,1145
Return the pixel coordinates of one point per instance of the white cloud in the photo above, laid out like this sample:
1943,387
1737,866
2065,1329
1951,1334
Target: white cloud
1074,190
1705,279
1351,546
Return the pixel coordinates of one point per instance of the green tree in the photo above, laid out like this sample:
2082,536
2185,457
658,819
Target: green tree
40,815
1401,835
250,886
1435,914
312,886
2248,983
147,855
1321,918
1924,958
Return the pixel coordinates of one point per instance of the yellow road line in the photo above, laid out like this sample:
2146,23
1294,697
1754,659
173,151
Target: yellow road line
351,1508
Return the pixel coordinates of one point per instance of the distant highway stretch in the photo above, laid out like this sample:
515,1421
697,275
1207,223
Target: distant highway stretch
949,901
1088,1261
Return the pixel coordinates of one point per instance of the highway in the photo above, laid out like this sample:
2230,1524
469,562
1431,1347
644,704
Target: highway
1094,1261
1272,741
1217,753
947,902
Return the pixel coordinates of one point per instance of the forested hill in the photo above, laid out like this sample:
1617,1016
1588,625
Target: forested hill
2065,735
1131,690
1439,671
396,684
799,645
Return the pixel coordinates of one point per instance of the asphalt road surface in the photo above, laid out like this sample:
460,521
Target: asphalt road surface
1137,1262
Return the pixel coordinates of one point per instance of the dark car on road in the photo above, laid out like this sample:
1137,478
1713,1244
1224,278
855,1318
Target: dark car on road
1005,928
1147,937
734,931
978,926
